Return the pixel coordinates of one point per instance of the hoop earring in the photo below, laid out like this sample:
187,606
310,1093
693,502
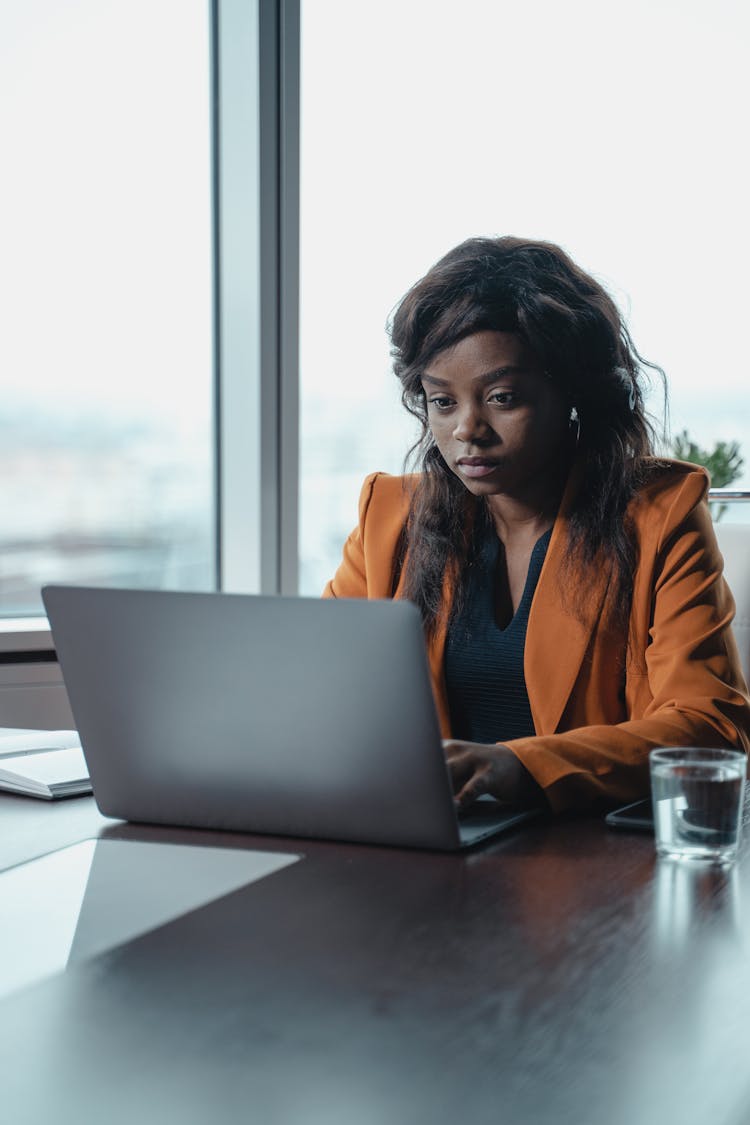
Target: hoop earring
574,426
627,382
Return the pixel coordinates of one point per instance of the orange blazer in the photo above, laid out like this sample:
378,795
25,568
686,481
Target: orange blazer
599,702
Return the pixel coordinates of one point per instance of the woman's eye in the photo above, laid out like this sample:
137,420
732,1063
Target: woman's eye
503,398
441,403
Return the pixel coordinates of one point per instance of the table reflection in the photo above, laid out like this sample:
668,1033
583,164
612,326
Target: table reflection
77,902
691,897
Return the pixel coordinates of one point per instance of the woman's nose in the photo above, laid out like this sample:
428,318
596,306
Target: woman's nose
470,425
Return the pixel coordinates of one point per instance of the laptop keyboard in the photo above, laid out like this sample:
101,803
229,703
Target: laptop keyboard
487,817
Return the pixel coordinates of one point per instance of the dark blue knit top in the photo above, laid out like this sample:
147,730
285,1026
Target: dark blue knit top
483,663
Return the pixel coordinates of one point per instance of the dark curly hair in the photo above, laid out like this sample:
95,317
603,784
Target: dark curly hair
535,290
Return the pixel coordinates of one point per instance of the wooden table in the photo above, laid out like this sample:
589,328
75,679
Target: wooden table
561,975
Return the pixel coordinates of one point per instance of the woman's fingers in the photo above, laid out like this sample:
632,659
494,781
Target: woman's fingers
476,768
469,769
474,787
460,763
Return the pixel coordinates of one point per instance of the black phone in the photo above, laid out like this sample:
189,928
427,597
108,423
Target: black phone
638,817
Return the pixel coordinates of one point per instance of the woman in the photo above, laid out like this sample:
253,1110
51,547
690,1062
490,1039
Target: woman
569,581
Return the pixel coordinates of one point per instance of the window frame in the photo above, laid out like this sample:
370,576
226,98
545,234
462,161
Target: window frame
255,114
256,62
254,91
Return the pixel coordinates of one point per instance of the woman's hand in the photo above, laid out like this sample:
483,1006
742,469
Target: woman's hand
476,768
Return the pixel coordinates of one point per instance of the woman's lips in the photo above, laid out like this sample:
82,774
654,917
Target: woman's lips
476,466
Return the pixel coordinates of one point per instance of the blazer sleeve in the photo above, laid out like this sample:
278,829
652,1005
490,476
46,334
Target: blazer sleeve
684,684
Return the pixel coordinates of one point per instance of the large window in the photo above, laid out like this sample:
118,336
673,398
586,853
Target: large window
106,430
422,123
617,132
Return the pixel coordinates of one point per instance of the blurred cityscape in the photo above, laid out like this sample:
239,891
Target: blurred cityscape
93,500
102,500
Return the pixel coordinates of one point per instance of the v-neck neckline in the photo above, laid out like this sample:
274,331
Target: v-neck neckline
492,556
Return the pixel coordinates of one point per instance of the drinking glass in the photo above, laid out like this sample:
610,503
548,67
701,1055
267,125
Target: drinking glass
697,797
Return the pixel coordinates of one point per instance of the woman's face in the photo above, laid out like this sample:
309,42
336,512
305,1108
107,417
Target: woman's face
498,421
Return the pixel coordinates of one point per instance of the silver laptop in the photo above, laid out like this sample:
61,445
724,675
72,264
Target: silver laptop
291,716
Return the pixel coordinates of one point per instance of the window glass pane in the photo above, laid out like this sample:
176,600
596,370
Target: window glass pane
105,286
425,123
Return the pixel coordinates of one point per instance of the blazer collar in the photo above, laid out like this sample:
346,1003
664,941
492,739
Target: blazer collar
556,638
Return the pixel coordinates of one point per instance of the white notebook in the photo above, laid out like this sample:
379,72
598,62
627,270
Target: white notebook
22,741
46,764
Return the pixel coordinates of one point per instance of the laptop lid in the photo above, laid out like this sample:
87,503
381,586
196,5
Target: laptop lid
292,716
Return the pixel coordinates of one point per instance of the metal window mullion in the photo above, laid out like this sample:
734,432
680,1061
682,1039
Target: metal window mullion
269,121
235,59
288,384
257,250
279,269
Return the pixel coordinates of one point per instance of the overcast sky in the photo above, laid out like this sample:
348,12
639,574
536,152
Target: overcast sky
616,131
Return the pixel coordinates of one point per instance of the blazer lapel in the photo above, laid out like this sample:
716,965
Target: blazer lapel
556,639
